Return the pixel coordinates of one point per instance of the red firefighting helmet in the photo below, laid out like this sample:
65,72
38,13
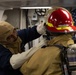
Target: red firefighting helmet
59,20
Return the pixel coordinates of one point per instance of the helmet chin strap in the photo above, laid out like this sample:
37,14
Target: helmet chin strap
48,35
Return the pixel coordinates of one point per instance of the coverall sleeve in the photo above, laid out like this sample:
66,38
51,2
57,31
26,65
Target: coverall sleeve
28,34
5,56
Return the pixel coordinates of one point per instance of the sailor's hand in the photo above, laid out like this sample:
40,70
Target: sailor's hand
41,29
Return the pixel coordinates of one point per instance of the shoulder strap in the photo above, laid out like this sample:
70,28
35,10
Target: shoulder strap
60,46
64,59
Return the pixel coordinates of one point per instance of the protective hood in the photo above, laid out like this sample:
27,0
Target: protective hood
6,29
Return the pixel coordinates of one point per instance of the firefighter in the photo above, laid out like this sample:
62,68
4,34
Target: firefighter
47,60
12,42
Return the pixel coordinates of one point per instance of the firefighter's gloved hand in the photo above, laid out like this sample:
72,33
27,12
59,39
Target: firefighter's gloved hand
41,29
72,46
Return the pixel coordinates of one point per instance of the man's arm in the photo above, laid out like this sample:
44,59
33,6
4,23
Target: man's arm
30,34
9,61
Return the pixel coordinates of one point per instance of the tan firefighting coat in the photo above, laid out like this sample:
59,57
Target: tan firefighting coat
46,61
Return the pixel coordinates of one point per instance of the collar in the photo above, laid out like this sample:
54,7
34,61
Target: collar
64,40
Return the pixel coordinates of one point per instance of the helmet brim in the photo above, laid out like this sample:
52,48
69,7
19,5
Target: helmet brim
55,30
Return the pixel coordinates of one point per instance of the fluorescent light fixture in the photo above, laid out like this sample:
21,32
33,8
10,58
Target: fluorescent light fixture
35,7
